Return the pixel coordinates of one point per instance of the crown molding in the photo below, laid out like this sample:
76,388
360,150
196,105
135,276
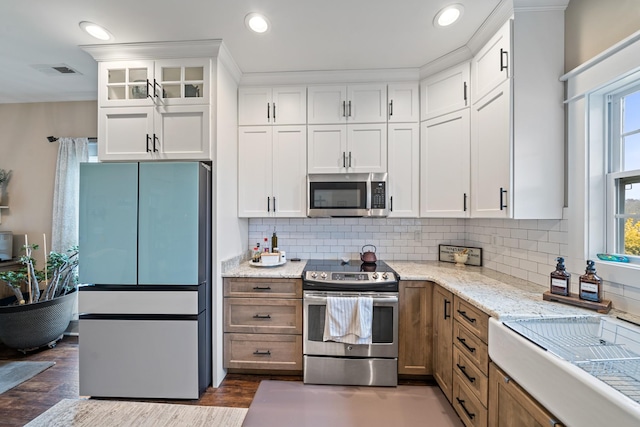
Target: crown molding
225,58
451,59
331,76
154,50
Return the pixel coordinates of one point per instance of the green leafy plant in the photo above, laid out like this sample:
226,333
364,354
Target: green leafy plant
59,279
4,176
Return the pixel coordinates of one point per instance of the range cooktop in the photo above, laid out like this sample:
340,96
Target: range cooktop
355,275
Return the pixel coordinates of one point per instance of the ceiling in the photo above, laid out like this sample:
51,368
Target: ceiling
305,36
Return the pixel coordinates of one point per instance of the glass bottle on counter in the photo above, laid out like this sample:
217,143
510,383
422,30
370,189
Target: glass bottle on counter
560,279
274,240
266,245
590,284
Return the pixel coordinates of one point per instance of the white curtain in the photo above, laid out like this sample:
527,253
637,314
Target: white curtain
64,227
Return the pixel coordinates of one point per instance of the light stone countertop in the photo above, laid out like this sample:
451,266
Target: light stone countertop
291,269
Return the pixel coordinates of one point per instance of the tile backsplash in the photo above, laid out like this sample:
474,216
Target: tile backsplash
526,249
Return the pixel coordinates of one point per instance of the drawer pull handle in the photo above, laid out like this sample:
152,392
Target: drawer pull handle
262,316
464,408
464,343
464,371
262,353
262,288
464,314
446,312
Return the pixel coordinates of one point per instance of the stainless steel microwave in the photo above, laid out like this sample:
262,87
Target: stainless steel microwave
347,195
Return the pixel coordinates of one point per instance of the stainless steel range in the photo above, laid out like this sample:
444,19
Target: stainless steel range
329,361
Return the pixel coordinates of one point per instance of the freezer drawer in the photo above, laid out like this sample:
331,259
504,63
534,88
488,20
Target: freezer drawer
141,358
139,302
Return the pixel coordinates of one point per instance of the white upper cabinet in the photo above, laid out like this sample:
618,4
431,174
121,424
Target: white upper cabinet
445,92
403,104
404,170
283,105
517,122
357,103
444,166
347,148
272,171
492,65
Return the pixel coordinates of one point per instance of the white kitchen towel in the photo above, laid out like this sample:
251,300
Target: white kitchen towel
348,320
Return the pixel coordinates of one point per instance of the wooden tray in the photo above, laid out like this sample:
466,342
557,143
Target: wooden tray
601,307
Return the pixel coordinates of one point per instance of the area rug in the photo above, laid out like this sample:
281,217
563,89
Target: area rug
15,373
292,403
108,413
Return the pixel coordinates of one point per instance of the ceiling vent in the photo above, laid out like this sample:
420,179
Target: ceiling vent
56,69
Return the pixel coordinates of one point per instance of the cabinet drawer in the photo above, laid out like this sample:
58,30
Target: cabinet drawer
467,405
263,351
471,376
471,346
263,315
274,288
471,317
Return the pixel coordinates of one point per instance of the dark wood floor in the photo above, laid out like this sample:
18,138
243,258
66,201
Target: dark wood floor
25,402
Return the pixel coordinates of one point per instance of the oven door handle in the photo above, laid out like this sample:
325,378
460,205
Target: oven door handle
377,299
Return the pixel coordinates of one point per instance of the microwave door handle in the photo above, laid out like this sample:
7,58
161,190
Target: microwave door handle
369,186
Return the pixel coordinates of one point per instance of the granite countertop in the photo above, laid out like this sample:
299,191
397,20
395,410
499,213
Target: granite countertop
291,269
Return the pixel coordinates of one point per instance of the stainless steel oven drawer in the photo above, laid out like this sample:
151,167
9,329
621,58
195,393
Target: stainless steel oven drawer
345,371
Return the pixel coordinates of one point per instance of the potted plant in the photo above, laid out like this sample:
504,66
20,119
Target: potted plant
4,178
39,317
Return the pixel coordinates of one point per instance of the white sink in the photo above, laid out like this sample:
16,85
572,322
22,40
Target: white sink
553,376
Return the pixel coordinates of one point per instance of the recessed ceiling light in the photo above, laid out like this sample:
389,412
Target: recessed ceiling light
96,30
448,15
256,22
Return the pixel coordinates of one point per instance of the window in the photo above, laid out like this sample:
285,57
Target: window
623,177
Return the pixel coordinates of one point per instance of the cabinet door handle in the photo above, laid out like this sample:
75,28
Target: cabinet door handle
391,203
148,91
262,288
344,159
148,139
262,316
504,65
344,108
502,193
464,343
391,108
349,156
467,318
274,203
262,353
463,369
464,408
349,108
268,111
268,204
465,93
274,112
446,312
156,84
464,202
155,138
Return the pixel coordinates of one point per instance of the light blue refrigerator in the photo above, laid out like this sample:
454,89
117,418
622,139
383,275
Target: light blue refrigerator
145,255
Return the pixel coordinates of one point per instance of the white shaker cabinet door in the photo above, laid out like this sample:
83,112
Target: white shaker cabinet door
126,133
254,106
491,154
290,171
403,104
492,65
366,148
445,161
183,132
255,171
327,148
326,104
367,103
289,105
404,170
445,92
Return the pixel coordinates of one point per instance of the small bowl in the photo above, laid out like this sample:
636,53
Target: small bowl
460,259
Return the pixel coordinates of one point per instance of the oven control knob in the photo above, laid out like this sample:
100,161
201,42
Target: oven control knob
314,275
374,275
385,276
349,347
323,275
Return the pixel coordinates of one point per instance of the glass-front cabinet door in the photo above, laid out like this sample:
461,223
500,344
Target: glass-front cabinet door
123,83
182,81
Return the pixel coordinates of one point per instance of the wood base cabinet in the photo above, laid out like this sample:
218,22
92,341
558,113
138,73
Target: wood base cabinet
415,328
443,339
511,406
263,325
